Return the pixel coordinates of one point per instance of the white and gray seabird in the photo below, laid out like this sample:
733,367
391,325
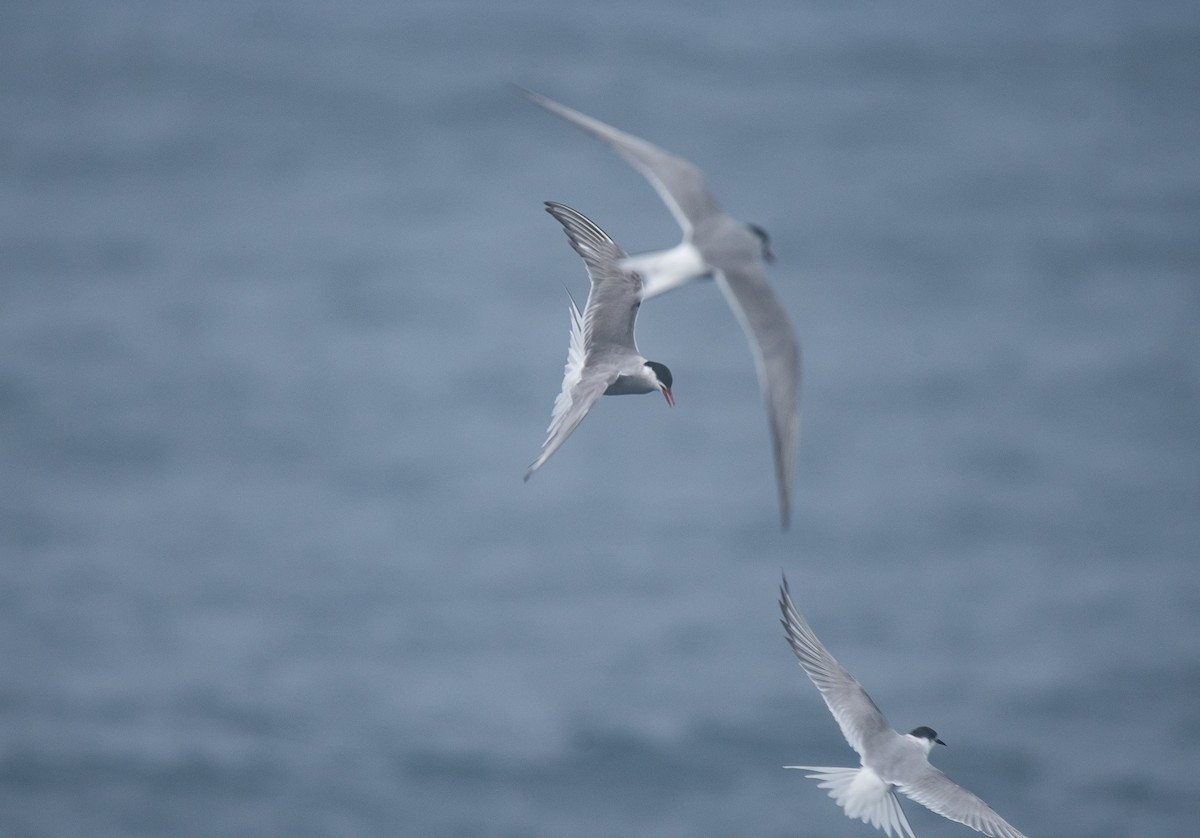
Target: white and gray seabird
732,252
603,358
890,760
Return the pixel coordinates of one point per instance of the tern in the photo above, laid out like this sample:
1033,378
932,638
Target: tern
890,760
730,251
603,358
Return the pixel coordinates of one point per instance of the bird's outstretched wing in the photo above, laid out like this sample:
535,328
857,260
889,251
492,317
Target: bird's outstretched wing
935,791
615,295
581,388
777,361
855,712
679,183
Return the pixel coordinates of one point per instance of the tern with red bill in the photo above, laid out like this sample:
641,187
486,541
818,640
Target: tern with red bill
730,251
603,358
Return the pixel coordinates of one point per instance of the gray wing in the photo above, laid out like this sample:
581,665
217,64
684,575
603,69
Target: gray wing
679,183
854,711
569,409
776,358
935,791
616,293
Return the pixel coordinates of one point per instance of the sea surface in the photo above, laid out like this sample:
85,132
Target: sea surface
281,325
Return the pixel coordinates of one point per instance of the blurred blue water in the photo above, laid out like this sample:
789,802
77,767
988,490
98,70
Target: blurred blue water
282,322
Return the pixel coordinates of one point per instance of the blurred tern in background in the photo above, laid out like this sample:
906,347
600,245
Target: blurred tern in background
603,358
732,252
890,760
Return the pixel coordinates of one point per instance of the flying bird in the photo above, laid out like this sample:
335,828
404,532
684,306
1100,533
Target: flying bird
603,358
730,251
890,761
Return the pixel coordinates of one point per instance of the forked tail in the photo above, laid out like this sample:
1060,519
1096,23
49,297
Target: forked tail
862,795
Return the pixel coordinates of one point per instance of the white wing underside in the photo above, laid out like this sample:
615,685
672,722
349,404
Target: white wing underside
856,714
571,374
938,793
579,392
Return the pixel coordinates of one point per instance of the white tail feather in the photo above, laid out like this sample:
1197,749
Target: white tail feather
862,795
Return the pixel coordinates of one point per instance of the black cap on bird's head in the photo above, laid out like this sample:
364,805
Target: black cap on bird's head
767,255
664,380
924,732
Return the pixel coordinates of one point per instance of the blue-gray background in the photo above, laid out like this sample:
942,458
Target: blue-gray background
282,321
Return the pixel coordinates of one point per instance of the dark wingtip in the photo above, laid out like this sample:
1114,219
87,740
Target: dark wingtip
521,90
790,617
530,95
785,597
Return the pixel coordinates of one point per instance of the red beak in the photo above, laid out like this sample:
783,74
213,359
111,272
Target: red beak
670,399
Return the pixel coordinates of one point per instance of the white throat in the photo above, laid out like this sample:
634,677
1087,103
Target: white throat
926,744
633,382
